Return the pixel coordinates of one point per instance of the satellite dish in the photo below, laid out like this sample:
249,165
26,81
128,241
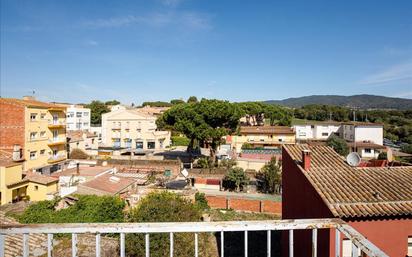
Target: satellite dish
353,159
185,173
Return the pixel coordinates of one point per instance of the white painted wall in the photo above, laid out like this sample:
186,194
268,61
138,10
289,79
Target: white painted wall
315,131
369,133
77,118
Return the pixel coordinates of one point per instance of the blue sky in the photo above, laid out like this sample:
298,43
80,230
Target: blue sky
135,51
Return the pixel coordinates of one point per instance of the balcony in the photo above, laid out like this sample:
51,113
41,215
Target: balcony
56,124
56,158
56,141
338,227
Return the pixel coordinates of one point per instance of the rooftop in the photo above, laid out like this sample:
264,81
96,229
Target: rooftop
266,130
31,103
356,192
77,135
88,171
109,183
6,159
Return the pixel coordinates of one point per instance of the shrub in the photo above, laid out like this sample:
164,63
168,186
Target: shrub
227,163
236,179
88,208
78,154
201,201
383,156
163,207
180,141
338,144
271,176
247,146
204,163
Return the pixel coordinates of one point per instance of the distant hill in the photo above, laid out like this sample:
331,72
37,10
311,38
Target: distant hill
354,101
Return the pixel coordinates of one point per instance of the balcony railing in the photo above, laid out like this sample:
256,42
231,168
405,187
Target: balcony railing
57,141
56,124
358,241
56,158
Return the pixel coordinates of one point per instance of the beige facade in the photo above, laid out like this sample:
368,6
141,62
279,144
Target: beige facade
37,129
262,136
133,129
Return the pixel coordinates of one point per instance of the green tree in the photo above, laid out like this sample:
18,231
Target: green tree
177,101
201,201
236,179
271,174
163,207
406,148
157,104
97,108
192,99
112,102
204,122
338,144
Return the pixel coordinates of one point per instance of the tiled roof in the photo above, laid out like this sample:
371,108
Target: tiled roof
31,103
6,159
77,135
109,183
266,130
359,123
366,145
356,192
83,171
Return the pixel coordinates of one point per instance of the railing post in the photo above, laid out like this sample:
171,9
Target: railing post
122,245
337,242
269,244
49,245
98,245
222,244
25,245
74,245
147,241
314,242
354,250
290,243
196,244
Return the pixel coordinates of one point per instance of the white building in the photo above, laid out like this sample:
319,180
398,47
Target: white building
316,130
130,128
363,132
78,118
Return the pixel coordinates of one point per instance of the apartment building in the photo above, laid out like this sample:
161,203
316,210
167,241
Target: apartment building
78,118
37,129
315,130
262,136
14,186
130,128
376,201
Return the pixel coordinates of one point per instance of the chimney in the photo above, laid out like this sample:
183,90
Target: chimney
306,155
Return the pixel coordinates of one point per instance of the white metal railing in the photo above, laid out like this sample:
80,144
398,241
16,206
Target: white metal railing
359,242
56,157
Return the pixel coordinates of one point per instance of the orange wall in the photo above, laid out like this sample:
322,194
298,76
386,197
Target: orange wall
391,236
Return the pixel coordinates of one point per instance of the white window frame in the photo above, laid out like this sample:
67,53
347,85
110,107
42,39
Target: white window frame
34,156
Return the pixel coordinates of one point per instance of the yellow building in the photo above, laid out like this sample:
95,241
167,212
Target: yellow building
14,186
262,136
36,129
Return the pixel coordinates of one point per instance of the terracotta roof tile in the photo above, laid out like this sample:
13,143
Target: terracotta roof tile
32,103
266,130
356,192
109,183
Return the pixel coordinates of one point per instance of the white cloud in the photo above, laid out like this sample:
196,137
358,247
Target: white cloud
160,19
91,43
400,72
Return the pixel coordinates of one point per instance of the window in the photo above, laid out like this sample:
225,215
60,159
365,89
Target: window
78,114
33,155
409,245
368,150
42,133
42,116
85,124
139,144
325,134
33,135
36,188
42,152
312,126
85,114
33,116
280,140
151,145
70,114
